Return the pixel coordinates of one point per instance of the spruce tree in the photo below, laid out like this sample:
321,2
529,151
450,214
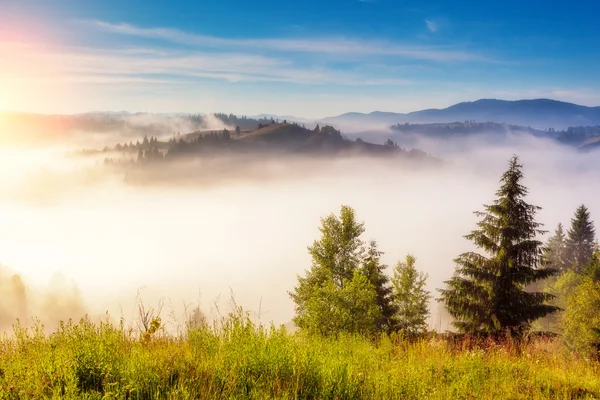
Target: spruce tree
555,253
581,239
410,297
561,286
374,271
487,293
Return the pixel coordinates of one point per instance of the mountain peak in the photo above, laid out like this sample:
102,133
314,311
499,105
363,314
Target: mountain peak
541,113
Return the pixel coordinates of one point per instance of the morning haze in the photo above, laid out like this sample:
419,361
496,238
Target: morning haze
356,199
197,229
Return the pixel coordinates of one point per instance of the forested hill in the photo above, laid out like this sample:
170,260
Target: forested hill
269,139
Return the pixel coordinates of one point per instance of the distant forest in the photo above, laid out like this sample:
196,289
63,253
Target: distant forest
271,137
577,136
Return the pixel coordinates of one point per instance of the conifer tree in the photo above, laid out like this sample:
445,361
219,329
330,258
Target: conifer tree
561,286
410,297
555,253
487,293
581,239
374,271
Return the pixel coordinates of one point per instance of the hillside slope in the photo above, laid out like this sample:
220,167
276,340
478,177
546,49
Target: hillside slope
321,140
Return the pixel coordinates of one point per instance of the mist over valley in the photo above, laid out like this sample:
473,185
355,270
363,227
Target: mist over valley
351,199
194,209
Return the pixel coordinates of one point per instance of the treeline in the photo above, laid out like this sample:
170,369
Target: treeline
575,287
199,142
147,150
578,134
510,286
462,128
243,122
575,135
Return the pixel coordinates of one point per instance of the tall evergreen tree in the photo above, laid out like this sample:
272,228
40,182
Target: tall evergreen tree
374,271
487,294
581,240
410,297
555,253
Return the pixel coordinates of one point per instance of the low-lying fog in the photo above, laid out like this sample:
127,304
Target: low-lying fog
75,239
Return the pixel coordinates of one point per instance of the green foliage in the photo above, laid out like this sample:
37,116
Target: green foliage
410,297
581,239
339,251
560,287
350,308
374,271
582,317
237,359
345,290
592,269
579,295
488,293
155,325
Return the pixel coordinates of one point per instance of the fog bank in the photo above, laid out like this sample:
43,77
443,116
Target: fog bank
249,236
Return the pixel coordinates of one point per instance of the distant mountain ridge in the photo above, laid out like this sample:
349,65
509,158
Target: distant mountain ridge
536,113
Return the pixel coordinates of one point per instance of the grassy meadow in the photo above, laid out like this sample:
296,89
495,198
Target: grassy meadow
238,359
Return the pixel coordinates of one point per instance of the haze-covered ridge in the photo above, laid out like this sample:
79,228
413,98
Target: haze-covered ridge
270,139
536,113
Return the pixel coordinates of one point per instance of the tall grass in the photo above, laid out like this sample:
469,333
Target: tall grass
238,359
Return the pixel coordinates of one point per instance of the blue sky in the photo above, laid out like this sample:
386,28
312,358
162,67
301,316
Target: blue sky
306,58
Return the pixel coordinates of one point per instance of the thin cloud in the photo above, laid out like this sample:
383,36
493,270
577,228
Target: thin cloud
84,65
432,25
339,46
